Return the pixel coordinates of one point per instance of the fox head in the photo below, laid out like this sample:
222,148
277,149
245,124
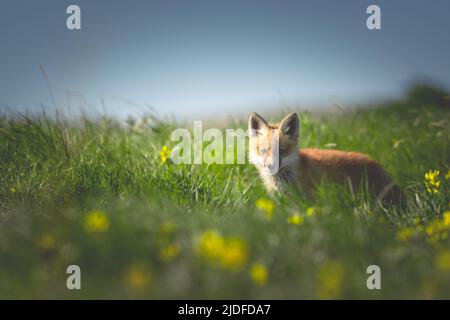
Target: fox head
273,146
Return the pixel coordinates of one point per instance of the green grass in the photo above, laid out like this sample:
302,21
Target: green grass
54,173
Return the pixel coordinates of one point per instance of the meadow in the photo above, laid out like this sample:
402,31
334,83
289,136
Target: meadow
103,195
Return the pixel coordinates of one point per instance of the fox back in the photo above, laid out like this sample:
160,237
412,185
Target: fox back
275,153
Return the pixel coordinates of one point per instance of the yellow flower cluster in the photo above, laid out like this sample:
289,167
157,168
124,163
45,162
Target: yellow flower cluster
298,219
229,253
432,182
266,206
406,233
436,230
164,154
96,221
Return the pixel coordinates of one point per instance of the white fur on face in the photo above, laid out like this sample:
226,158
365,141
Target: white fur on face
269,163
273,165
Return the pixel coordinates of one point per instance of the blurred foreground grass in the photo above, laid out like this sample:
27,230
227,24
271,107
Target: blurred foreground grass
98,194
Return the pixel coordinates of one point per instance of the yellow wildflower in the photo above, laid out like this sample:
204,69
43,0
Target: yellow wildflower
432,175
296,219
234,255
164,154
437,229
138,276
446,219
266,206
432,182
310,211
434,227
211,244
258,274
12,189
96,221
169,252
330,279
442,261
405,234
229,253
447,175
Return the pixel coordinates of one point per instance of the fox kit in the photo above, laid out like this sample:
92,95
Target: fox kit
274,151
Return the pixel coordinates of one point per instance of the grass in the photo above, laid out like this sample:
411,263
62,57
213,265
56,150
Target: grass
95,193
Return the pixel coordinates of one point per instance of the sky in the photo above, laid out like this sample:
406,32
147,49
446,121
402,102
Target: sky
198,58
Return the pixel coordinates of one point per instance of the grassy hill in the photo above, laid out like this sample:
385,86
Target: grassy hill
96,193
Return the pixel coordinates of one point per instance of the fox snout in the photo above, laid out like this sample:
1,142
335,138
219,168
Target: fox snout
271,164
268,162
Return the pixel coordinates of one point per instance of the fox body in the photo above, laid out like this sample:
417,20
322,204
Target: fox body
274,151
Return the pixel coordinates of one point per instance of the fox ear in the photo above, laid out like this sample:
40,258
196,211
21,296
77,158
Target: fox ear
290,126
256,124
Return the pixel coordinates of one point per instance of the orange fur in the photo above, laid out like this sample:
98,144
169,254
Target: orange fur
303,169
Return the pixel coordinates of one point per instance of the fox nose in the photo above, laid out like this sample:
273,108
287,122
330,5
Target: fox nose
272,168
269,164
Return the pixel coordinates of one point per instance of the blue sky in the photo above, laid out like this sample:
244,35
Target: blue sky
194,58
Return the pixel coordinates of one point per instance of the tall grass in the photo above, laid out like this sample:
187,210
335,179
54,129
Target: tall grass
194,231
